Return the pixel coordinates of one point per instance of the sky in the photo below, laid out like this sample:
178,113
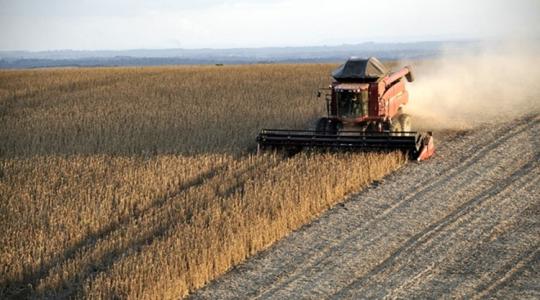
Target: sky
37,25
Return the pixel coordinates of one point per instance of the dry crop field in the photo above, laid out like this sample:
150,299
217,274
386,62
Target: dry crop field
142,183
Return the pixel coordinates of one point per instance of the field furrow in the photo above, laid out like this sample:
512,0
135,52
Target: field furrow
405,236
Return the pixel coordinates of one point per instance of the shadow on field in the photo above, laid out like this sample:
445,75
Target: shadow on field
25,287
72,285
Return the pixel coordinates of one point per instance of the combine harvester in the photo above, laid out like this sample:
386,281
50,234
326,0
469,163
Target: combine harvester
364,112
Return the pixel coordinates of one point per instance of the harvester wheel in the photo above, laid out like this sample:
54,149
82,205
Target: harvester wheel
322,125
372,127
327,126
396,125
405,122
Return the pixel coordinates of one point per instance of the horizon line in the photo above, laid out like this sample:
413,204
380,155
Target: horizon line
255,47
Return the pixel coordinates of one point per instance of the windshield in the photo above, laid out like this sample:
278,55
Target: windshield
352,104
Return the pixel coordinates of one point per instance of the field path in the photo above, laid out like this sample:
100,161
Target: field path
464,224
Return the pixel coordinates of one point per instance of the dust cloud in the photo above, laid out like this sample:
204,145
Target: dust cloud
461,91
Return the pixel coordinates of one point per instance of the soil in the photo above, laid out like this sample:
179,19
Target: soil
464,224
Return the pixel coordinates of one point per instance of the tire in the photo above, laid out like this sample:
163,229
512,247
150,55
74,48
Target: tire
372,127
322,125
396,125
328,126
405,122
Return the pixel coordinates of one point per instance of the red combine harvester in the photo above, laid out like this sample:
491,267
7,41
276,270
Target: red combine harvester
364,112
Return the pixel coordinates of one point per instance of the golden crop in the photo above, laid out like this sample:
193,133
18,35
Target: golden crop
141,182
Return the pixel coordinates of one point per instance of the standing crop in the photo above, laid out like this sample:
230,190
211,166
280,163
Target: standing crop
141,182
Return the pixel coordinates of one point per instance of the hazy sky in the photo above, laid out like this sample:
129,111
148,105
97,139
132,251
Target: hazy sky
129,24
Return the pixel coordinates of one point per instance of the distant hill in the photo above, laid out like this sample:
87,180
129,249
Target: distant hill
147,57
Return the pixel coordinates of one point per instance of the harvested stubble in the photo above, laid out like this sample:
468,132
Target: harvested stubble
136,182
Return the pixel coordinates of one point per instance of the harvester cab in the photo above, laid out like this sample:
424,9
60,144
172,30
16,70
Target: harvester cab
365,111
350,101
